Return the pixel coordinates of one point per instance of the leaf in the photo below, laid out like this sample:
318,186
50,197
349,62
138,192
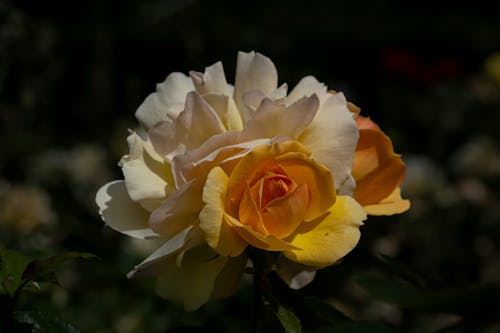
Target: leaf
404,271
322,310
44,323
388,290
12,266
39,270
357,327
288,320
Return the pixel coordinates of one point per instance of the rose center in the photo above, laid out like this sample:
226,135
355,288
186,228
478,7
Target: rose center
274,186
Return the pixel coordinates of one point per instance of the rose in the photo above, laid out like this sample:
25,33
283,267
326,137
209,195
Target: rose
220,169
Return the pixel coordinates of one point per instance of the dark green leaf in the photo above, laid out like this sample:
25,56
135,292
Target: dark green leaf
404,271
356,327
39,270
44,323
323,310
288,320
388,290
12,266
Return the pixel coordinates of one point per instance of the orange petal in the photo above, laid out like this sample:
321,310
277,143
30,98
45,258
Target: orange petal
317,177
377,169
393,204
283,215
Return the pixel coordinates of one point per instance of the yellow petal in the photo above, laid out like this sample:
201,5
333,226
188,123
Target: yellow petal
219,235
324,241
391,205
256,239
229,278
193,282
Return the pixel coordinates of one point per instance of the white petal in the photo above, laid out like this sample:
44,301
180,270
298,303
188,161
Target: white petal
273,119
169,248
167,102
179,211
305,88
227,111
196,124
121,213
295,275
147,177
332,137
212,81
254,72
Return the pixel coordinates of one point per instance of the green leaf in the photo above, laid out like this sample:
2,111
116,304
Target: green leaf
404,271
12,266
39,270
44,323
322,310
357,327
388,290
288,320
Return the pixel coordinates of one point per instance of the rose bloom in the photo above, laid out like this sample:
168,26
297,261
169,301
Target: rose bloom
221,169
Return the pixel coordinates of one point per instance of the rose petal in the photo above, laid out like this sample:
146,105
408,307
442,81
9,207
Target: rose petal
229,278
391,205
273,119
256,239
197,123
226,110
193,282
254,72
219,234
212,81
377,170
178,211
121,213
324,241
295,275
147,176
306,87
332,137
317,177
167,102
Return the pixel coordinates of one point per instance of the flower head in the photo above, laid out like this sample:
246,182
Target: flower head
221,169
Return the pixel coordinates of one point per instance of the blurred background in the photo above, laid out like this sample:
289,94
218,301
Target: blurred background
73,73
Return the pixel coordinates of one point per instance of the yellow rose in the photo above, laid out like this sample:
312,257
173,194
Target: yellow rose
222,168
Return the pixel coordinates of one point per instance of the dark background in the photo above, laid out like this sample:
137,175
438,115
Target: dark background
73,73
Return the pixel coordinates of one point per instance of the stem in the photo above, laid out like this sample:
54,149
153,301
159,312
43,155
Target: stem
258,260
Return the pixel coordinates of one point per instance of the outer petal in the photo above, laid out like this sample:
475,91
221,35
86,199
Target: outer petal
295,275
121,213
254,72
393,204
377,170
147,176
305,88
332,137
220,236
226,109
197,123
193,282
179,211
212,81
273,119
229,278
167,102
324,241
